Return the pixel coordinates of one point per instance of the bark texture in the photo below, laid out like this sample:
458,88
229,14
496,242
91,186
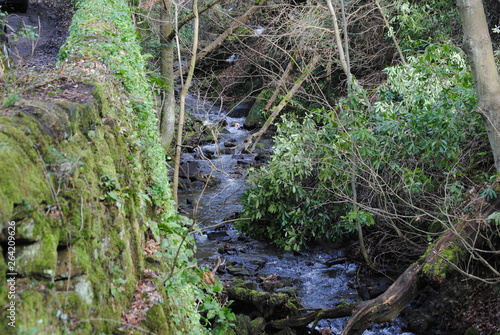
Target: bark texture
167,117
477,43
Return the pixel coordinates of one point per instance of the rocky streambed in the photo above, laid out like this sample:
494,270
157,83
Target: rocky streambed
264,282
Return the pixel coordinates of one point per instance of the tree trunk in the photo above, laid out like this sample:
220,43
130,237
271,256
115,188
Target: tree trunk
281,82
167,115
343,309
477,44
185,88
438,260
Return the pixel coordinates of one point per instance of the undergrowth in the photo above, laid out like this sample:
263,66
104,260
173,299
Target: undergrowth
410,158
104,43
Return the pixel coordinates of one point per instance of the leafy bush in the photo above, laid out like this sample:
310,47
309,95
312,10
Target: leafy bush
407,157
285,201
418,24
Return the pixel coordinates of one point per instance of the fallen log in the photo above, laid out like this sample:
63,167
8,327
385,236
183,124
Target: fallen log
433,265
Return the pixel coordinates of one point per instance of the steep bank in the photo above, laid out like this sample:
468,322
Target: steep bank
83,181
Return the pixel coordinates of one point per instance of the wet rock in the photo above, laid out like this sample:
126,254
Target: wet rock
242,109
230,144
197,185
209,152
189,170
247,326
258,264
238,271
244,238
239,157
271,286
225,151
336,261
218,235
263,302
213,181
232,216
183,183
290,291
351,270
418,325
214,151
262,158
244,163
251,285
222,123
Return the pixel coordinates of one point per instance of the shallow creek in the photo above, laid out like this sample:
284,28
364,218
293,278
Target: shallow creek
317,283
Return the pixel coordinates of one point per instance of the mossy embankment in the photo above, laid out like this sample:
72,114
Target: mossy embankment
83,180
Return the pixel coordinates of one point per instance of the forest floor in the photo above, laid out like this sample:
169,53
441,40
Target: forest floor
51,20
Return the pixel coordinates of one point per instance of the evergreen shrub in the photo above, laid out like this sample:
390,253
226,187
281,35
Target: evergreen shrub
410,156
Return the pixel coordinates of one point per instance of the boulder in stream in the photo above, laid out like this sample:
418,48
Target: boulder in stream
242,109
189,170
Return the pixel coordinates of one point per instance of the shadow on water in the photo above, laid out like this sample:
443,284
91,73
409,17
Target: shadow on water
213,188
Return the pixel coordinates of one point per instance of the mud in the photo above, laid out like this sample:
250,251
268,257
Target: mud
50,20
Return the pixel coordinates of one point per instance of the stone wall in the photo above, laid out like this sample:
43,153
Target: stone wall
84,182
70,184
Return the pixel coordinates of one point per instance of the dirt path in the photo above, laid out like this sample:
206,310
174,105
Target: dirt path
50,19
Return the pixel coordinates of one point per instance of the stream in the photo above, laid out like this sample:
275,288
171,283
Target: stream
213,183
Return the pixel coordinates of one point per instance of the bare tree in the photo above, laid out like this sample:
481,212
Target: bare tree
185,88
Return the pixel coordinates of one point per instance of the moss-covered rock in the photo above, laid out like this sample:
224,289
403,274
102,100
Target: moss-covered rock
83,178
256,117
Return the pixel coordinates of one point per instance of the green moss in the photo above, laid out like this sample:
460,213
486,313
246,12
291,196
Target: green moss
52,157
472,331
256,116
35,314
155,321
39,260
442,265
21,179
3,288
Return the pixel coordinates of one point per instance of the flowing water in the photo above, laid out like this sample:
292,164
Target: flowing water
316,282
